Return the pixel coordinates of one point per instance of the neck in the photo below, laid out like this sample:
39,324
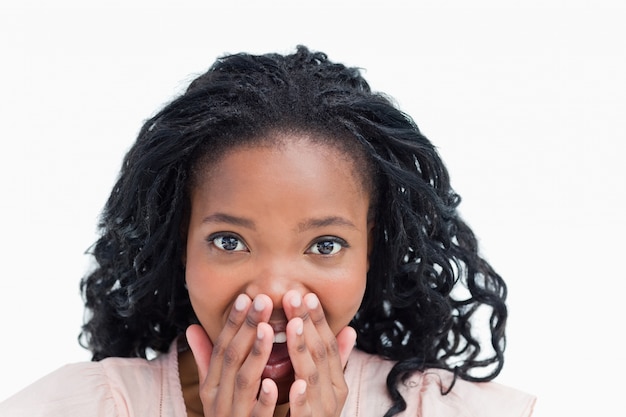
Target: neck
189,383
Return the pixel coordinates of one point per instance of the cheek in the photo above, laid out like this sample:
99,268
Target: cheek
342,300
200,274
209,297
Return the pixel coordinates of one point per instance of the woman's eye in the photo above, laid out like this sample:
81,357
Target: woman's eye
229,243
327,247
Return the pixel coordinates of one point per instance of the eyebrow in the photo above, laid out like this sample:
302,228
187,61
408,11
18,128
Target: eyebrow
302,226
323,222
227,218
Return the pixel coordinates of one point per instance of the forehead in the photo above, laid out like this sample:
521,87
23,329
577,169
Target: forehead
349,159
293,170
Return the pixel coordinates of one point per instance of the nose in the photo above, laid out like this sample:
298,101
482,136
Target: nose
274,278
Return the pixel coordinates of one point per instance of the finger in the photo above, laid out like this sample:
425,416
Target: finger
346,339
298,404
328,339
315,376
241,342
248,377
327,355
235,353
268,395
201,347
236,318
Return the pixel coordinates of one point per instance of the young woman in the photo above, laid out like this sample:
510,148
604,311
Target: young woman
284,241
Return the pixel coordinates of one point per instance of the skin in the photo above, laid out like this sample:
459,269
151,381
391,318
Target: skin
278,239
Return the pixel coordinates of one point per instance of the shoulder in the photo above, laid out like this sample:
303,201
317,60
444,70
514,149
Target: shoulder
366,376
422,391
80,388
113,387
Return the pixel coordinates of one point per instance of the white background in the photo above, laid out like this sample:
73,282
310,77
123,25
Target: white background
525,100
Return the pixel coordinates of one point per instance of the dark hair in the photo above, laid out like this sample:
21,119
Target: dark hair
427,285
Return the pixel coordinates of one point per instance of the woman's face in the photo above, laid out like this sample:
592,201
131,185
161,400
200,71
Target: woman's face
266,220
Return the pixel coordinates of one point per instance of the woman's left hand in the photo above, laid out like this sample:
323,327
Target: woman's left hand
318,358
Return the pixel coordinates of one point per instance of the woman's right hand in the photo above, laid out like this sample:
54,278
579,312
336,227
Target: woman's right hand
230,370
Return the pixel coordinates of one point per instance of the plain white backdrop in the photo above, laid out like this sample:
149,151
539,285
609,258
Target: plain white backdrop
526,102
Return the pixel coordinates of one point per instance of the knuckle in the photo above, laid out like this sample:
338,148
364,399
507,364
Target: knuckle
231,356
318,352
232,322
319,320
313,379
301,347
256,350
333,347
251,322
241,381
218,349
305,316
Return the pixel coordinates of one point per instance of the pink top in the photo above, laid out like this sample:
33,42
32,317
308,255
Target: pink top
133,387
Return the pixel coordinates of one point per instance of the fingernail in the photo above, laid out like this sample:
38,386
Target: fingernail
312,302
299,329
302,389
296,300
265,386
259,304
259,333
240,302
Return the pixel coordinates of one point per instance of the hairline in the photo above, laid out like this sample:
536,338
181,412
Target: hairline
361,163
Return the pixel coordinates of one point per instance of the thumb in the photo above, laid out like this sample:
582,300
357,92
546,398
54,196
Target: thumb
201,347
345,340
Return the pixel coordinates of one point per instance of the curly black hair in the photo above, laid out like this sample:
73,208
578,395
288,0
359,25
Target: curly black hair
431,300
